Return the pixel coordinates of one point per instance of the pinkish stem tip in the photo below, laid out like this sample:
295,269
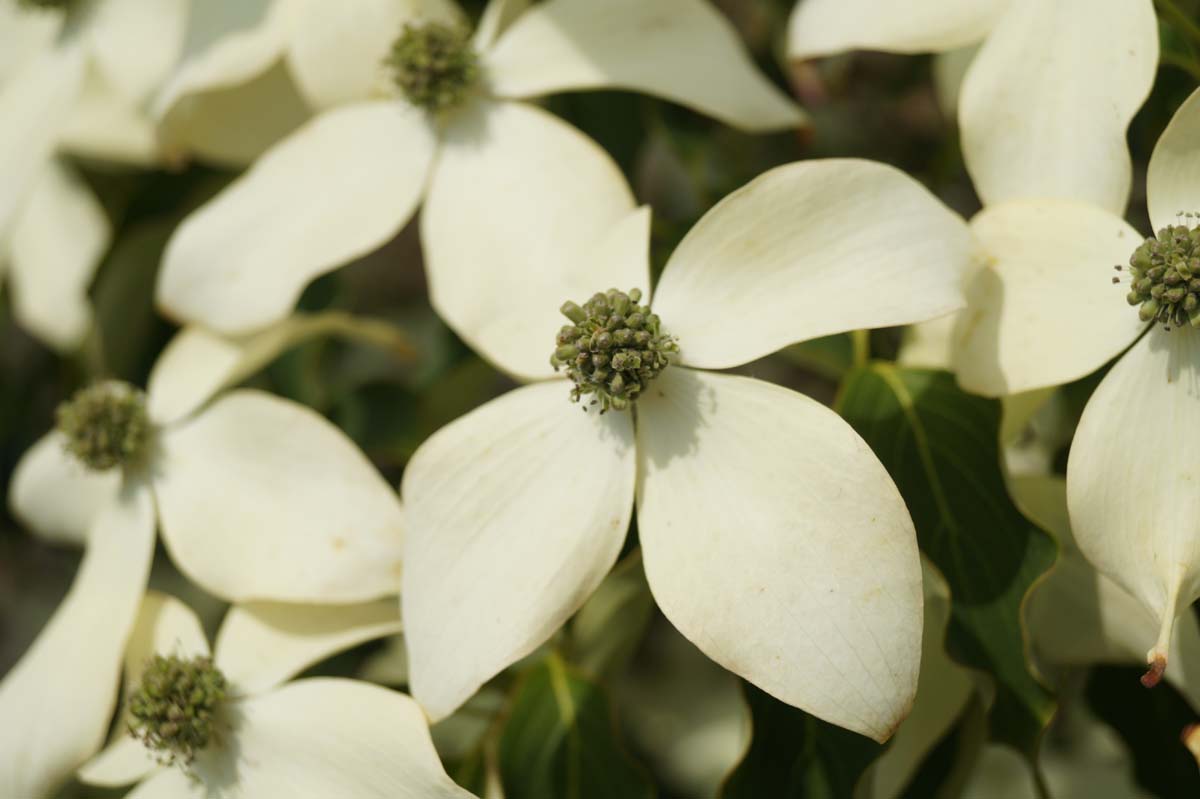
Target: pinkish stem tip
1154,674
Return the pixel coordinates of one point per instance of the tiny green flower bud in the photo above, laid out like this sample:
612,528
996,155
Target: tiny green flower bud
174,709
1149,310
617,357
574,313
1140,259
434,65
106,425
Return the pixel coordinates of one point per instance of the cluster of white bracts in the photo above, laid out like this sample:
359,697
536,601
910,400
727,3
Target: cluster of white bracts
773,539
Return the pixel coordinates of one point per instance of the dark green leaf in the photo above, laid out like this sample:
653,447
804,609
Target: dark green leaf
940,446
831,356
608,628
560,741
793,755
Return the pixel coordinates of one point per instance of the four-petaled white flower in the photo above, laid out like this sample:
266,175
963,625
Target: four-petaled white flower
258,498
1133,467
1042,311
348,181
772,537
72,81
270,738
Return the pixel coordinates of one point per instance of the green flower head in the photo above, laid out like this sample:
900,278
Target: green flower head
434,65
613,349
174,709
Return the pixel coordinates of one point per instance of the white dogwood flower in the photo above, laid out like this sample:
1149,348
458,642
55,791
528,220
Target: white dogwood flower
75,79
773,538
257,498
411,108
1131,468
228,722
1044,105
1043,310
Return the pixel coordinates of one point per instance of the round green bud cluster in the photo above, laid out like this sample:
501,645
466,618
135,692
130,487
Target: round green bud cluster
1164,277
434,65
613,349
174,709
106,425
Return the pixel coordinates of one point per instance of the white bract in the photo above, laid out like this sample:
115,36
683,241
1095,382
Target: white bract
313,738
1045,103
1041,308
1044,110
461,139
73,81
257,498
773,539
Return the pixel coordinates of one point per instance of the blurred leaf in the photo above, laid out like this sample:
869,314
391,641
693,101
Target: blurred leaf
608,628
941,447
471,772
830,357
615,119
1150,723
793,755
130,330
560,741
946,770
151,207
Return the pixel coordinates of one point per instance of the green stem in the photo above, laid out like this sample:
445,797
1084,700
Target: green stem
369,331
861,341
1040,784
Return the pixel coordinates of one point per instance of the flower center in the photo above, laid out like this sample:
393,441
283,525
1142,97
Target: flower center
106,425
613,349
1164,277
174,708
434,65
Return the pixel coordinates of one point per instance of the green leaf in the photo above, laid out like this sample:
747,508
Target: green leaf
941,447
831,357
560,741
793,755
946,770
609,627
